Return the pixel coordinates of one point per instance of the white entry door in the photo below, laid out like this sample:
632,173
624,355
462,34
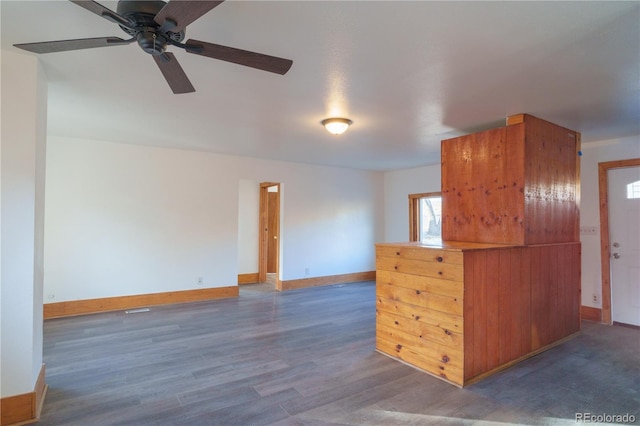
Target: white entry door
624,230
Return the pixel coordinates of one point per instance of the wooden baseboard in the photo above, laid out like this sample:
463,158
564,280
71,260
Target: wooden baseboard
25,408
590,314
92,306
248,278
326,280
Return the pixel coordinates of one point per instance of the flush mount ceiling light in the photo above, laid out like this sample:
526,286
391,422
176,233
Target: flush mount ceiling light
336,126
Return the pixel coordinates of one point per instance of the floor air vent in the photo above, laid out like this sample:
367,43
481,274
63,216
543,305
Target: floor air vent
137,311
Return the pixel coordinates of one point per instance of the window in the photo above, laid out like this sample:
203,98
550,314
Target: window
425,217
633,190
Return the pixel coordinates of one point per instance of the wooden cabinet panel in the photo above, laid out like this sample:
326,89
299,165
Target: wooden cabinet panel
497,295
512,185
483,188
555,293
551,176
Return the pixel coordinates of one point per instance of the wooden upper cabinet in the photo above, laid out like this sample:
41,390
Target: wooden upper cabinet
517,184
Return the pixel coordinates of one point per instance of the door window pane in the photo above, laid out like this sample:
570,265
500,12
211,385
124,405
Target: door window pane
633,190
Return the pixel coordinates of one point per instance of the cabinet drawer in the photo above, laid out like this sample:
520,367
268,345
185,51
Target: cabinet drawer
436,334
424,300
441,270
419,253
421,283
445,320
438,360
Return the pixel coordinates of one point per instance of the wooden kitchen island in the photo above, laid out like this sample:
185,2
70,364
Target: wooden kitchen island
461,311
505,282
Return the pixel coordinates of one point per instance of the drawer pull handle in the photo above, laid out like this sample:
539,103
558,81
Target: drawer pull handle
439,259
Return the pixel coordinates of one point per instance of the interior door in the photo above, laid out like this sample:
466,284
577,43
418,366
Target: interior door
624,228
273,230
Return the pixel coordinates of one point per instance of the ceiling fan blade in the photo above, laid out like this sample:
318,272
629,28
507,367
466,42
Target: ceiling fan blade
77,44
239,56
182,12
173,73
102,11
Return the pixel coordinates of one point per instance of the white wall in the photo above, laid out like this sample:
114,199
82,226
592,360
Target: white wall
248,225
22,150
124,219
332,219
397,187
592,154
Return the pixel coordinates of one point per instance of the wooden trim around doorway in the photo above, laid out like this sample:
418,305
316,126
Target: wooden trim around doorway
605,249
263,243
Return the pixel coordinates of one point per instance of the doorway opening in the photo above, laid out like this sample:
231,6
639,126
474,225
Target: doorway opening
269,235
605,235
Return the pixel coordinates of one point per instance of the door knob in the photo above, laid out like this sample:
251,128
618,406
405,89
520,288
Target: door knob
616,255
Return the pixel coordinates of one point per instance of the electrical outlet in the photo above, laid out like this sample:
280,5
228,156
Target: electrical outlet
200,281
595,298
51,296
306,271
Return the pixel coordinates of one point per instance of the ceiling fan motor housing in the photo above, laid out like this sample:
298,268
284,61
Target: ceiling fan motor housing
141,14
151,42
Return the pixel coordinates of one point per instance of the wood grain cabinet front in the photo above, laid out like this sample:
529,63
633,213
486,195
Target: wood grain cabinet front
517,184
419,296
462,311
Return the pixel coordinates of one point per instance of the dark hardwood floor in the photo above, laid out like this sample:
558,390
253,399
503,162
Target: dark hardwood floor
307,357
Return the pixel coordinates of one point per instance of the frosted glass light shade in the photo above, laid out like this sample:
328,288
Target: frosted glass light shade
336,126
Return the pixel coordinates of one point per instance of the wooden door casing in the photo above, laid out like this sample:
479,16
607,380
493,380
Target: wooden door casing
263,240
273,231
605,248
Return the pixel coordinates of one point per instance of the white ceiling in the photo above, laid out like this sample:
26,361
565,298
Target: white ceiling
409,74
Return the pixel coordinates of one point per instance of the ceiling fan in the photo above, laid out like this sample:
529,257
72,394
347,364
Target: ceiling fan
155,25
